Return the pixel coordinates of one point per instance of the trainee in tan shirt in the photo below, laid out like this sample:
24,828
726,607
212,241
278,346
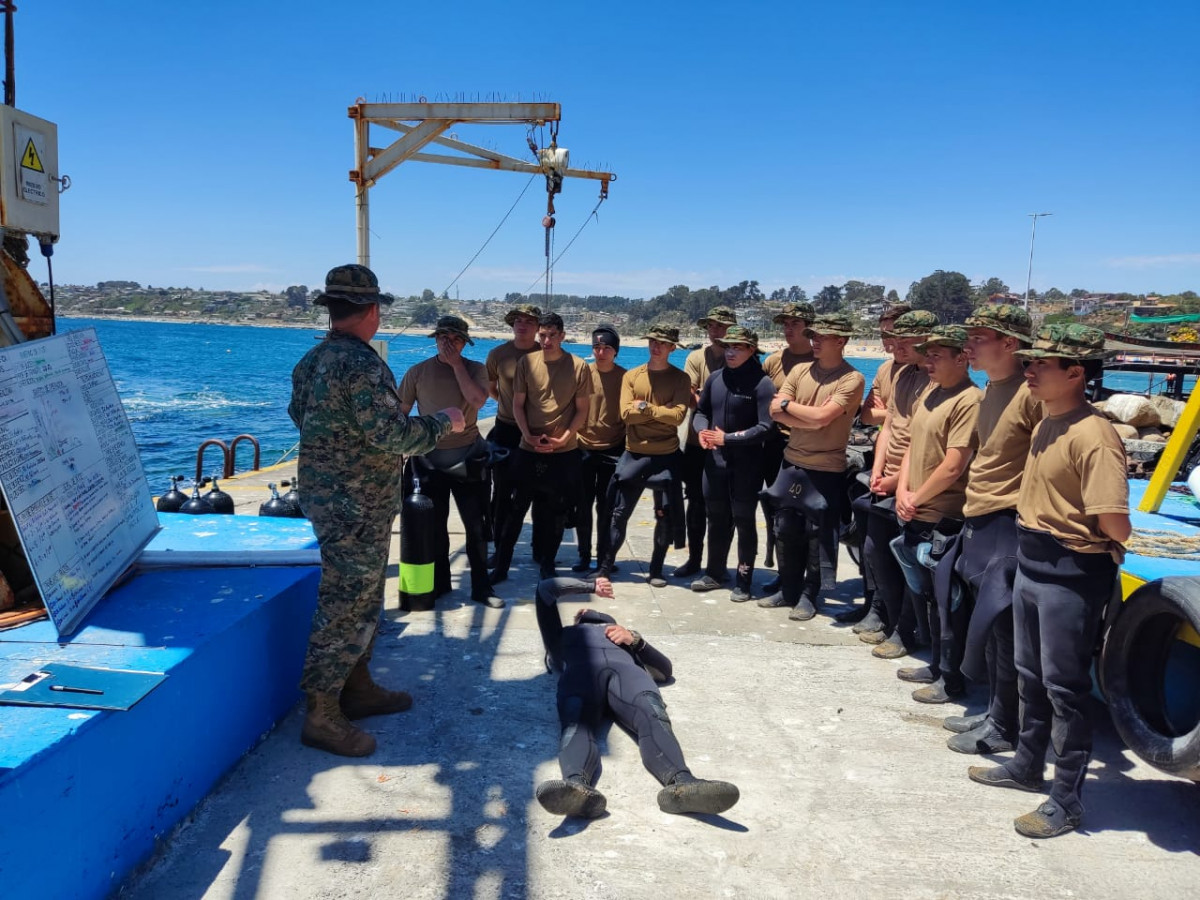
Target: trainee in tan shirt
604,427
551,391
667,393
943,419
823,449
909,382
1007,416
502,368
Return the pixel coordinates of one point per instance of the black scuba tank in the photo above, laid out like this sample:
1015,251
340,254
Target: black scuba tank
417,527
172,499
197,506
220,501
275,506
292,498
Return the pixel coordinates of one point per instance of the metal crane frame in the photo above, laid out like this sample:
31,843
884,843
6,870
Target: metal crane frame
421,124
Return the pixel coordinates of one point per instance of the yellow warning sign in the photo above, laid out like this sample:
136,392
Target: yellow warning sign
30,158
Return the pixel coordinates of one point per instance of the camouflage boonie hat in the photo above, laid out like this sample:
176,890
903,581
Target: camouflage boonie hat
664,333
739,334
1074,342
1004,318
917,323
832,325
452,325
805,311
895,311
354,284
952,336
522,309
720,315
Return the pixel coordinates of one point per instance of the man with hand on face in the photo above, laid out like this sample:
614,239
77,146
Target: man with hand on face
352,436
501,370
607,670
817,404
654,402
601,442
732,420
457,466
931,489
699,365
552,393
1072,523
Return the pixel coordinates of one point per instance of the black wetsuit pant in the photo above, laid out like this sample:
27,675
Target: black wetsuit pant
891,599
548,482
1059,598
731,487
772,459
633,472
981,632
596,472
600,679
507,435
808,512
692,472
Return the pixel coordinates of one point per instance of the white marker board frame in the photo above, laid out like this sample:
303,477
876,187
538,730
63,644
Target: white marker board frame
70,471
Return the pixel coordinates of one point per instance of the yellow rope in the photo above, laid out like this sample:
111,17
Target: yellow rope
1167,544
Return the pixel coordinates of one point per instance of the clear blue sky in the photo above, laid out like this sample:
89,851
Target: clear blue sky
788,142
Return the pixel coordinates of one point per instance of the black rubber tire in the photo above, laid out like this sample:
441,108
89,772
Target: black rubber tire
1132,669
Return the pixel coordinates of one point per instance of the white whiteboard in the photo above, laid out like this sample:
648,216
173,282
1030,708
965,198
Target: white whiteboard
70,471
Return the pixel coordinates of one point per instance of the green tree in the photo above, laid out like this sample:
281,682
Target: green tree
857,294
1054,295
948,294
987,288
425,313
428,296
795,294
828,299
297,295
892,297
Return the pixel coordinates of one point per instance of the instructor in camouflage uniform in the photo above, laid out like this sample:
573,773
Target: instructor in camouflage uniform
352,435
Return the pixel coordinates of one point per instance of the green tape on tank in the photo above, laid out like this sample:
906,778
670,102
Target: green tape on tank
416,579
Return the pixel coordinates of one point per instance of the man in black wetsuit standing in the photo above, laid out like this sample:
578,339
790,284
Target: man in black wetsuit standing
606,669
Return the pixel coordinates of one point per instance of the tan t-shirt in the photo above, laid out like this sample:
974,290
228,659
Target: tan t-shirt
502,368
907,386
778,366
823,449
667,393
698,366
883,383
551,391
1007,415
431,385
944,419
604,427
1076,470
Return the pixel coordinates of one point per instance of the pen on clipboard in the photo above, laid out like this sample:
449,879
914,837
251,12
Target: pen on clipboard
74,690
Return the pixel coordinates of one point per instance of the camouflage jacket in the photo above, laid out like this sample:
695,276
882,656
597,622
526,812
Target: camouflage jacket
352,432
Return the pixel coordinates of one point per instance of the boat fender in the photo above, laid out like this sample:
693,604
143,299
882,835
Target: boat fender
417,528
1193,482
197,505
172,499
220,501
1150,677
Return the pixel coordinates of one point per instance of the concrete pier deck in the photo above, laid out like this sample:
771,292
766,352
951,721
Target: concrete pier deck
848,789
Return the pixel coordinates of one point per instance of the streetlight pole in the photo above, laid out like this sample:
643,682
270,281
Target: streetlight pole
1032,237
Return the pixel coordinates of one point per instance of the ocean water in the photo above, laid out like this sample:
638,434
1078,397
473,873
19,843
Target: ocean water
184,383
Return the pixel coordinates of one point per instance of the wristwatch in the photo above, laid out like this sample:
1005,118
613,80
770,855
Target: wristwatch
783,404
641,407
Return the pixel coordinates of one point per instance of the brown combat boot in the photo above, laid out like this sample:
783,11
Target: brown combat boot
362,697
327,729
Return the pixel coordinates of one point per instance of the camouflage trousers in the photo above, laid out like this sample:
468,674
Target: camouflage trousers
354,560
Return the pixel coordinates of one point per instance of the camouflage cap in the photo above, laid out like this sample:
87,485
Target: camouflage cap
739,334
452,325
665,333
894,311
1074,342
833,325
1004,318
522,309
354,284
720,315
952,336
916,323
805,311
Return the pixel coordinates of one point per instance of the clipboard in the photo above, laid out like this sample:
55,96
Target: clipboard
82,687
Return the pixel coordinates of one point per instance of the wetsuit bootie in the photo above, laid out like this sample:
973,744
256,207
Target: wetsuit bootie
851,616
870,622
688,569
917,674
584,564
804,609
890,648
571,797
1047,821
963,724
687,794
327,728
744,584
987,738
999,776
705,584
362,697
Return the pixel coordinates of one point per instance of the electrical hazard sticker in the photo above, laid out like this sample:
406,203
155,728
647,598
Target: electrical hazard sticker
30,158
